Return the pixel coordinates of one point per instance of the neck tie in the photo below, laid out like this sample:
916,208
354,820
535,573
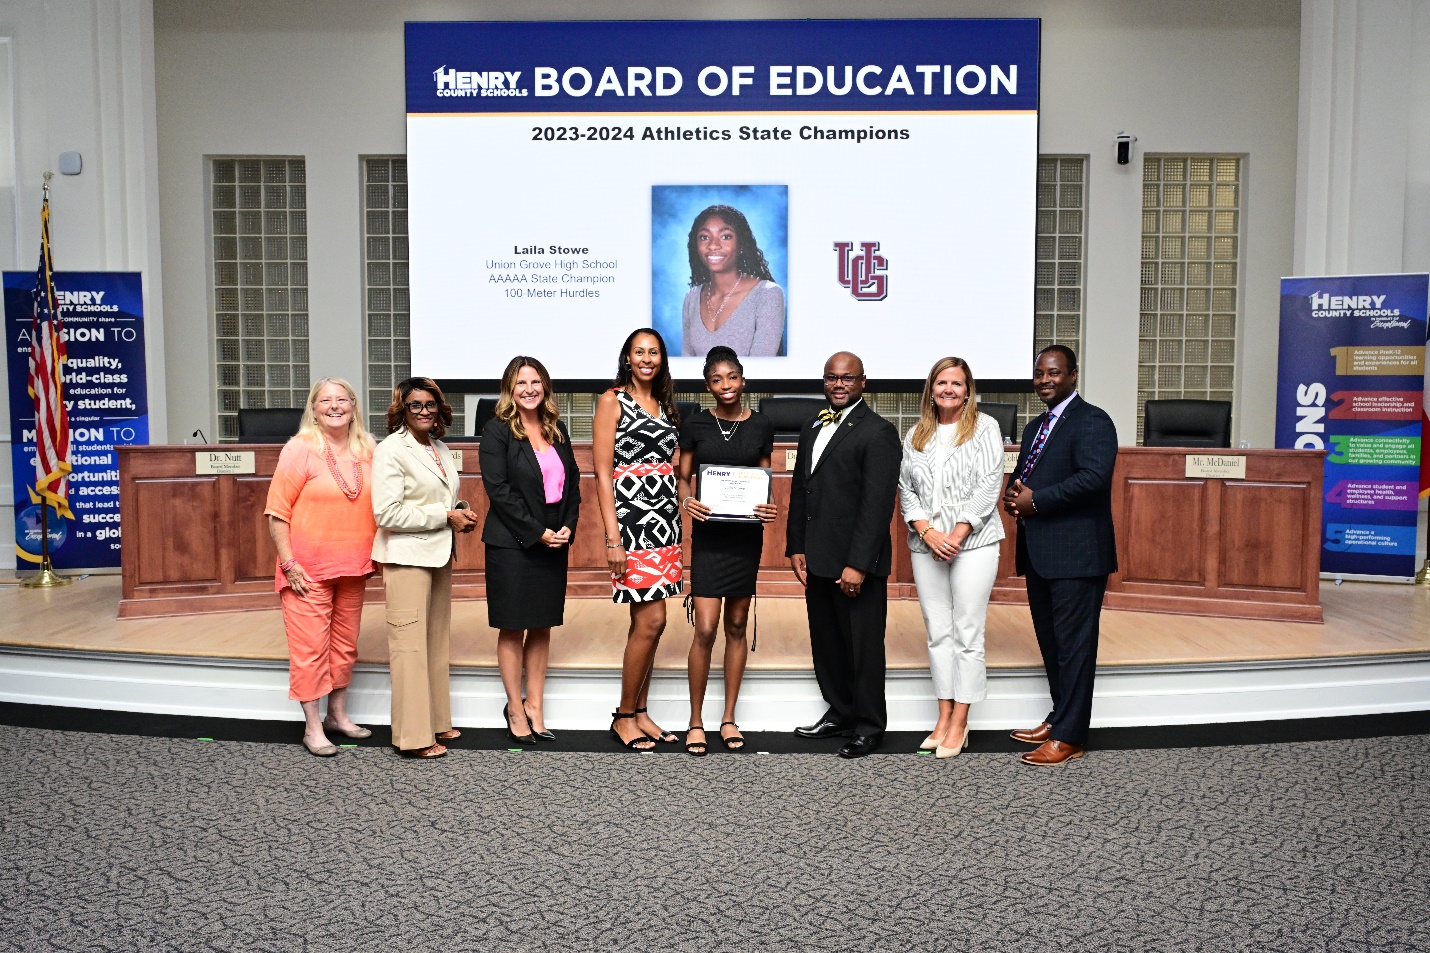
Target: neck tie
827,417
1036,450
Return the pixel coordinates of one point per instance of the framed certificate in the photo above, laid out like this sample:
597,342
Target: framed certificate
732,493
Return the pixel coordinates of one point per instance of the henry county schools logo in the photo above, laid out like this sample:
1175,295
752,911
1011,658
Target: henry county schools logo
862,273
1324,305
451,82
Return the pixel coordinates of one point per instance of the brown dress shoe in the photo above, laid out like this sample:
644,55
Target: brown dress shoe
1053,752
1033,736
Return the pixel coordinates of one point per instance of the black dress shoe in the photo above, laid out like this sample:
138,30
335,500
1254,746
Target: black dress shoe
824,728
861,745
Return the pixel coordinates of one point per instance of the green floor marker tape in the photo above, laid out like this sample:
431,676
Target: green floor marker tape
203,739
514,750
347,746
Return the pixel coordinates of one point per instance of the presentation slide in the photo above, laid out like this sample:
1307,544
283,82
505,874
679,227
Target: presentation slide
787,188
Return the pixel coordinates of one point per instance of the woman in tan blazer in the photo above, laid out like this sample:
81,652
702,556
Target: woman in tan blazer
414,497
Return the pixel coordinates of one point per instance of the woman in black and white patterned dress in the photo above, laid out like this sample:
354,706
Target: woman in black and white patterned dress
634,438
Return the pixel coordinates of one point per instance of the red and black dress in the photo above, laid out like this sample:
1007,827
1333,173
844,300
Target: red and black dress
647,507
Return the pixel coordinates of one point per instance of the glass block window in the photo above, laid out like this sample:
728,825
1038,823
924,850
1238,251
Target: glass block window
260,281
389,342
901,410
1191,238
1059,274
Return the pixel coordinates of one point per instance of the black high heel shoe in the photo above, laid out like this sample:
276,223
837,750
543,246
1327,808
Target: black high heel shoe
543,735
519,739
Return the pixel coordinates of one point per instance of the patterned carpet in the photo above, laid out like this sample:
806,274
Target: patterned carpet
111,842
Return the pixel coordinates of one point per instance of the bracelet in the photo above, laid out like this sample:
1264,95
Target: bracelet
285,566
609,546
684,501
1031,503
924,533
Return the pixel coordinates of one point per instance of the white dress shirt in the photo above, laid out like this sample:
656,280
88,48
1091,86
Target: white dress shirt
826,433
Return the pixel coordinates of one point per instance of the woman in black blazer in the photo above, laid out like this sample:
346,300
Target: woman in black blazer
531,479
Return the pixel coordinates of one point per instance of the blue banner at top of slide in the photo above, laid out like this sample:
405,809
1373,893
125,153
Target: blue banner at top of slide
722,66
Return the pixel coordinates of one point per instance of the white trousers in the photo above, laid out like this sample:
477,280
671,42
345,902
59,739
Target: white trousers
953,596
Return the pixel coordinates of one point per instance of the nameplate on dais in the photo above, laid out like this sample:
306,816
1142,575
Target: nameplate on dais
790,457
1010,461
1215,466
224,461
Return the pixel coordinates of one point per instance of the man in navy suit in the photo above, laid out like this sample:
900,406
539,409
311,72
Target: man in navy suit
1061,495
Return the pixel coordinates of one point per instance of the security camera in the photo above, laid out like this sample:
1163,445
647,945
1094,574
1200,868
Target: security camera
1124,148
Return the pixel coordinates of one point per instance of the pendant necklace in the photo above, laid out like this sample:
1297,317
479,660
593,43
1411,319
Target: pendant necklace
723,301
723,433
432,452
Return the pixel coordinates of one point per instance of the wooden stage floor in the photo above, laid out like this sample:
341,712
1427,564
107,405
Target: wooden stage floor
1361,619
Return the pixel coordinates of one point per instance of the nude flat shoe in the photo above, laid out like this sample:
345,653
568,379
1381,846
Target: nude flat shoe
321,751
358,732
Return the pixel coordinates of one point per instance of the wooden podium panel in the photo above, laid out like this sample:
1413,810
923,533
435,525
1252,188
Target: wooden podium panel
198,543
1238,547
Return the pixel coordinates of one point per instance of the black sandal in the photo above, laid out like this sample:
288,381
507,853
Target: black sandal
690,746
639,739
736,741
666,737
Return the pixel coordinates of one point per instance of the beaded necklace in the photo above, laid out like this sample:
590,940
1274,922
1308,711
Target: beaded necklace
350,493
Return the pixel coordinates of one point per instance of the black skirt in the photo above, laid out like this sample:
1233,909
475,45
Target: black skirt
526,588
725,559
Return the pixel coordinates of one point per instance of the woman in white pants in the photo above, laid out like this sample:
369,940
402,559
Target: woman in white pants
949,483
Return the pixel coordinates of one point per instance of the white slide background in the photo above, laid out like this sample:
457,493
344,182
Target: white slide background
953,208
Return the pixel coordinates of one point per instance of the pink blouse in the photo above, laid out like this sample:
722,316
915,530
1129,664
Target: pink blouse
553,474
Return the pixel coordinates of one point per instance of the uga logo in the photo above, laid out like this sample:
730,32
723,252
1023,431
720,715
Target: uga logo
863,273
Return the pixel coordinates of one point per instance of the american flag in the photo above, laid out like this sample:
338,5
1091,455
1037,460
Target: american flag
47,353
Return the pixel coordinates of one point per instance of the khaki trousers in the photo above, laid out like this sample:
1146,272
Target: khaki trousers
419,619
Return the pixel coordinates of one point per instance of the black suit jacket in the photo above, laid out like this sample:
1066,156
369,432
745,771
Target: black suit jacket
839,514
1070,535
512,478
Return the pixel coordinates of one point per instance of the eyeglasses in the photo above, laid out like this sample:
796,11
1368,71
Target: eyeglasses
847,379
416,408
334,402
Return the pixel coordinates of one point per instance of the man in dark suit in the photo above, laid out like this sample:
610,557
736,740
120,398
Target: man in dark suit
841,502
1061,495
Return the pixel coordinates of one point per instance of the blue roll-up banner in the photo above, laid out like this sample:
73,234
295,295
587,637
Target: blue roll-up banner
107,399
1351,382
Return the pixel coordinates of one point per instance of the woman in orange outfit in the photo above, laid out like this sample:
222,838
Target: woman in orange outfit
320,516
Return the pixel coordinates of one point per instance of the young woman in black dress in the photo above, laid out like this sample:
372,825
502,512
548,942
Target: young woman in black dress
724,557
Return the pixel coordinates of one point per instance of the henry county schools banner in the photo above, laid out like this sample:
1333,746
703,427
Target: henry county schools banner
882,172
108,403
1351,380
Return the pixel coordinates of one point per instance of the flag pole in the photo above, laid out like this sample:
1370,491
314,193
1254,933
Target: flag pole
46,578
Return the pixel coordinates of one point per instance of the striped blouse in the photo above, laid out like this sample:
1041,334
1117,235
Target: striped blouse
952,485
